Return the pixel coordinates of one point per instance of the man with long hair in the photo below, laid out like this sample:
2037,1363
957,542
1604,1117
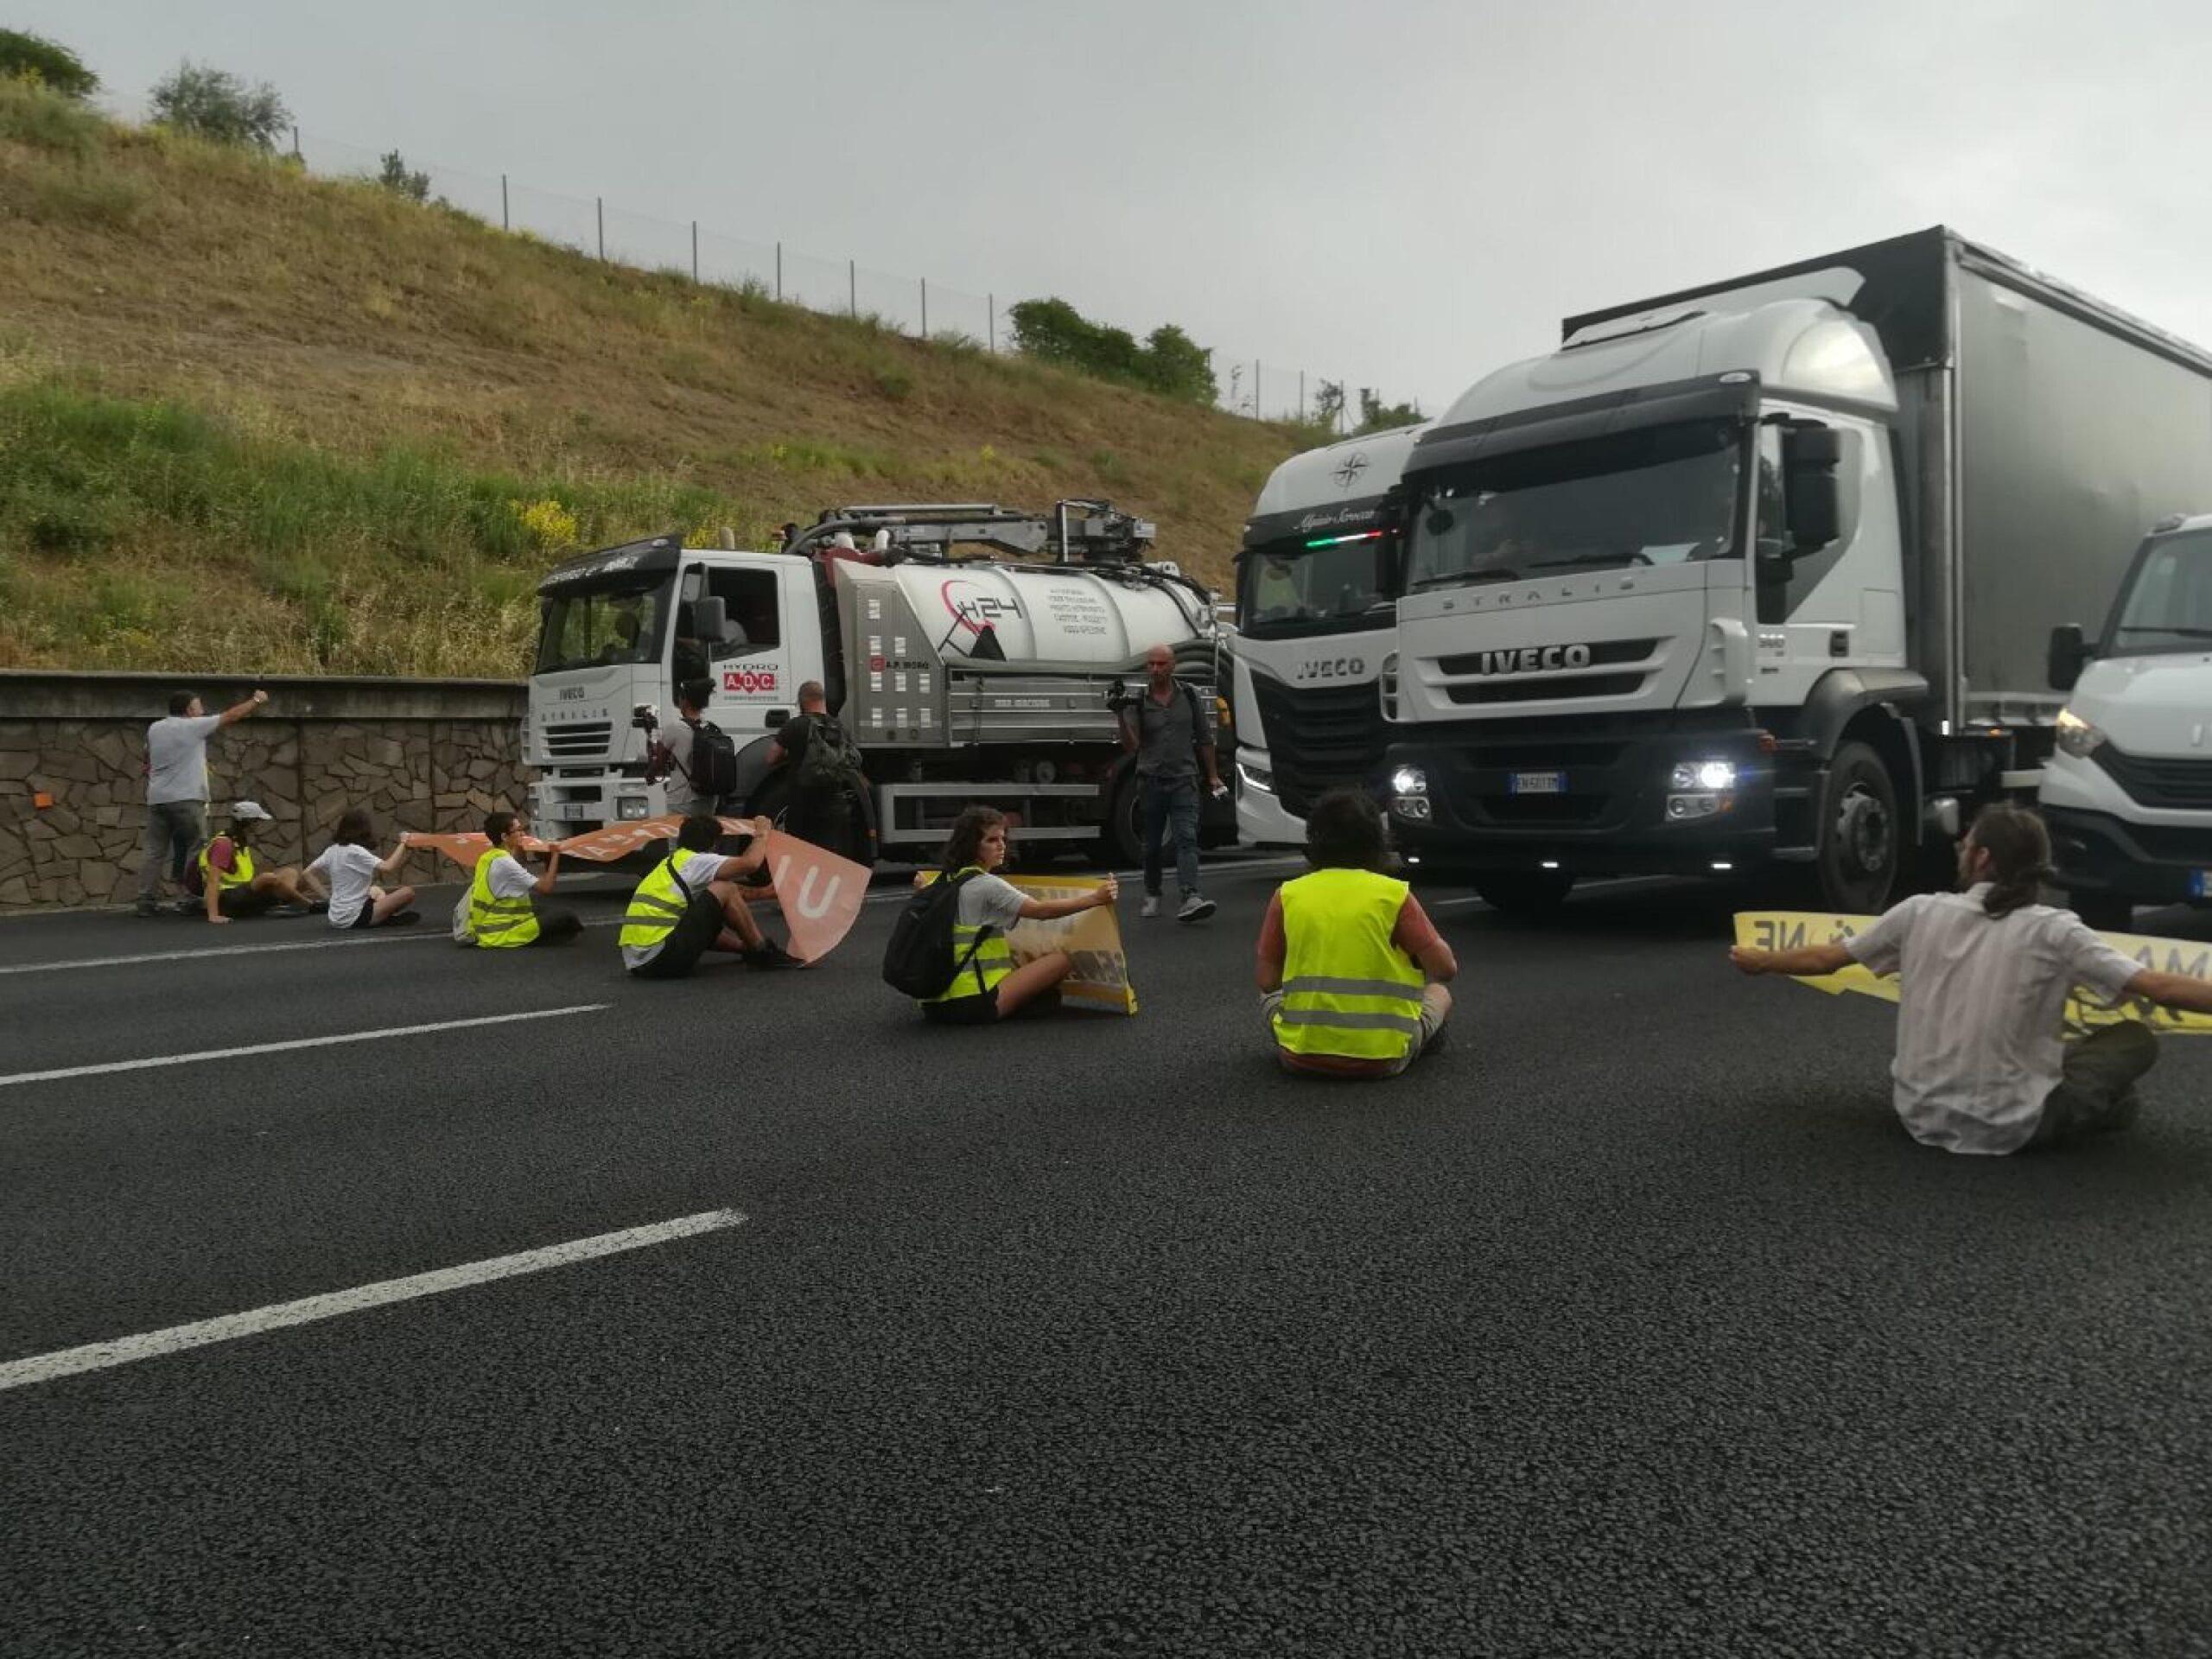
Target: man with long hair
1983,976
1351,971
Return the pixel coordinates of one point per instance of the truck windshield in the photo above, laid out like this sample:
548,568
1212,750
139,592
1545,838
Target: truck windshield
1313,586
1657,495
2169,604
601,626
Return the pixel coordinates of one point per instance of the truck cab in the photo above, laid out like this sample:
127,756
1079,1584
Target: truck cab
2128,792
621,628
1317,581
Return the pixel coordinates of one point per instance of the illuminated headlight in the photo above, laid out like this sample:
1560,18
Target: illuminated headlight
630,808
2077,736
1257,777
1408,780
1711,776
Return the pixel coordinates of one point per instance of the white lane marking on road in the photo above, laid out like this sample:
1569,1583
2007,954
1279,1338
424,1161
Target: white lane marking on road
225,950
197,1055
122,1351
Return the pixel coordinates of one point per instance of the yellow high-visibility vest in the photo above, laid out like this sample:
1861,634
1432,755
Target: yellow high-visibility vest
497,924
993,960
240,875
1347,991
655,907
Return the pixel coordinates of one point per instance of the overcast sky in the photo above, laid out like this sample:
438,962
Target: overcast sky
1400,194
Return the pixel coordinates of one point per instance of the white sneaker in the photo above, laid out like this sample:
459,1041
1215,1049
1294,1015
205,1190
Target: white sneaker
1196,908
1151,906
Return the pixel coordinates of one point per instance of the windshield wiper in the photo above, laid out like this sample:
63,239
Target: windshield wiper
2154,627
1630,557
1489,573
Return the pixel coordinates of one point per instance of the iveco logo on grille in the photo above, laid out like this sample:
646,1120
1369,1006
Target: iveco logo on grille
1330,668
1531,659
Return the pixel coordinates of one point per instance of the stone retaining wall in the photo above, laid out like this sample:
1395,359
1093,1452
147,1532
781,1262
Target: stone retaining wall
421,754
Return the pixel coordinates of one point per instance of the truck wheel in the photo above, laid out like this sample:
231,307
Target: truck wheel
1524,895
2107,913
1120,843
1861,843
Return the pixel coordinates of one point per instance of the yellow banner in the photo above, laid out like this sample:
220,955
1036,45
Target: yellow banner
1787,929
1092,939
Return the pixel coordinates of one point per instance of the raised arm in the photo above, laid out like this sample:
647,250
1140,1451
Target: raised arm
1807,960
238,711
1045,910
2184,991
544,883
755,855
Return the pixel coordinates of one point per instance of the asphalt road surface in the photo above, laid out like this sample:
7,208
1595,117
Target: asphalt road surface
1631,1323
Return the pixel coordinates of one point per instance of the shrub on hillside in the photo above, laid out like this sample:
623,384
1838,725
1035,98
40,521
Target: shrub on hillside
1169,362
215,104
1375,416
48,63
36,116
394,177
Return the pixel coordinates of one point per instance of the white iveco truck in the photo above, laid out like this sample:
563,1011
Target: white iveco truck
1316,580
1763,572
963,677
2128,794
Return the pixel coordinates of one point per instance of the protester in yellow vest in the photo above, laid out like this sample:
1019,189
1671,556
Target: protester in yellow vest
232,885
1982,1066
988,987
500,915
691,903
1350,970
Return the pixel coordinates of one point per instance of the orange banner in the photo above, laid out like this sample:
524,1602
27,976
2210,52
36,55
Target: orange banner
819,893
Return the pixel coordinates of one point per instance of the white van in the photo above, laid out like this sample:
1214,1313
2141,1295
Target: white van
2128,791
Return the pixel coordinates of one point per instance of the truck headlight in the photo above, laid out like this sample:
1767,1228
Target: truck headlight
630,808
1256,777
2077,736
1408,780
1713,777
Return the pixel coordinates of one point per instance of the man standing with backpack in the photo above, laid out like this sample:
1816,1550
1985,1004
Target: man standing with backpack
825,776
1173,743
675,762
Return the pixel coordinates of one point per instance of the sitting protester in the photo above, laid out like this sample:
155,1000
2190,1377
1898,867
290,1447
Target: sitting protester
690,904
231,886
496,913
1983,1064
1350,970
986,986
347,870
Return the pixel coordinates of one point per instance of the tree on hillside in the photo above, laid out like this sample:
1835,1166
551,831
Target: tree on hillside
33,57
1329,405
1169,362
215,104
394,177
1375,416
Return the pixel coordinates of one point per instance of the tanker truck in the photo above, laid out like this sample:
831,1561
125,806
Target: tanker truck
1758,577
971,649
1316,579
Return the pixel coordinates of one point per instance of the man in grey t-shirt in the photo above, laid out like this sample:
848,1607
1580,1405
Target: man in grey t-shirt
177,787
1173,743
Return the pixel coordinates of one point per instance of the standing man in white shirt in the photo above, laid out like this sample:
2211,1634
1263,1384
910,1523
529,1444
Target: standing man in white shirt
177,787
1983,979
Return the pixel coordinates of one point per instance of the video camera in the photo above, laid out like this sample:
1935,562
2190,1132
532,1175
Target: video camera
1118,694
645,717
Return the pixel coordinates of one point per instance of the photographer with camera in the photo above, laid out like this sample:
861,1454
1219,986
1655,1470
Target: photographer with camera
1165,727
677,759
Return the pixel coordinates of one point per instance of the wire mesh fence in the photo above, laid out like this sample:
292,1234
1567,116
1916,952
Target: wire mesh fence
1251,386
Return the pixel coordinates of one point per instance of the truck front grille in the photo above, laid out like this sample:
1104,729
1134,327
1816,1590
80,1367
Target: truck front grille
2176,785
1319,737
583,739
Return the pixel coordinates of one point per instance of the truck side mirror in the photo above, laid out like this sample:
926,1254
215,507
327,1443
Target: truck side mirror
1812,489
2070,653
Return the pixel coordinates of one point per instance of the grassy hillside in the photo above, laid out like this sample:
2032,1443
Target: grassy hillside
251,420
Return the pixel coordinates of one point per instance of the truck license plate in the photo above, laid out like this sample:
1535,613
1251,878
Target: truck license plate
1536,782
2200,884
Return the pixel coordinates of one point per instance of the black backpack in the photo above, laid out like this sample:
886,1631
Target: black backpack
713,771
919,960
831,756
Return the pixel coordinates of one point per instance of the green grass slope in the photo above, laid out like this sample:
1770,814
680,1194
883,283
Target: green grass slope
251,420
